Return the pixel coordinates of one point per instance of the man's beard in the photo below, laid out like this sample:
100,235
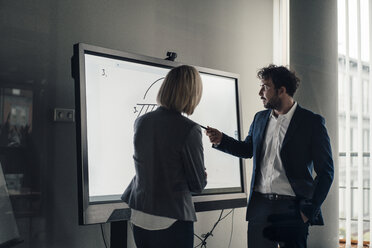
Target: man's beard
273,103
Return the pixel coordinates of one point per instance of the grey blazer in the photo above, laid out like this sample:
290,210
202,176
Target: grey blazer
169,161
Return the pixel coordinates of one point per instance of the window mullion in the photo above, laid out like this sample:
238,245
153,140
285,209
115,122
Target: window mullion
370,118
360,131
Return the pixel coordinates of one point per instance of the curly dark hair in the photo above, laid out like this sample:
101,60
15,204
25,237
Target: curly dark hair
280,76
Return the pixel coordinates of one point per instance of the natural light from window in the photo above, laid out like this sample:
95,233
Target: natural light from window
355,113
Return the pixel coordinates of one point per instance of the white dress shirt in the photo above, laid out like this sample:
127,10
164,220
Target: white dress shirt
272,177
149,221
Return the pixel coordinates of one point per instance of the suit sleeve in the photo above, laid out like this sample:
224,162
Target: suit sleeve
242,149
193,160
323,166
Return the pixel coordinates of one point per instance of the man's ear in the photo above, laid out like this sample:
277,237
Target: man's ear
282,90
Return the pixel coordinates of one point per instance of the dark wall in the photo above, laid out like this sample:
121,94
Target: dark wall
36,45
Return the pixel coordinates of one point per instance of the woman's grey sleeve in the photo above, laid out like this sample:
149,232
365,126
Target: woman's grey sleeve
193,160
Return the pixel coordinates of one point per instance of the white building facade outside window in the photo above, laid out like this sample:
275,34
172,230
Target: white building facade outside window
354,114
355,125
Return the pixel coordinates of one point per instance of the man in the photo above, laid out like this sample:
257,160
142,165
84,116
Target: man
287,142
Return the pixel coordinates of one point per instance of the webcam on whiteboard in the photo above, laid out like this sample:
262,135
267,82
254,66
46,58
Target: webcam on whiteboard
171,56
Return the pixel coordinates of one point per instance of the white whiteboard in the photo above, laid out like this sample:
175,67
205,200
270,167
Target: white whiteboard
117,92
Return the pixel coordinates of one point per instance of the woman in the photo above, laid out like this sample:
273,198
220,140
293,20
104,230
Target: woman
169,162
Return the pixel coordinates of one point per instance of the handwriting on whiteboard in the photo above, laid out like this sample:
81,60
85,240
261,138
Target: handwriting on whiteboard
142,108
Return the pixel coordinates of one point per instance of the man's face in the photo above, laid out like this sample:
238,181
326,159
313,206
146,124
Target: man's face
269,95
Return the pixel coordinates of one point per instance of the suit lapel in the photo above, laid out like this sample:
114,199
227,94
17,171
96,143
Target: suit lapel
296,118
261,133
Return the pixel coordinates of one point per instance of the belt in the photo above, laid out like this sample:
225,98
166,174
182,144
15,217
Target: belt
274,197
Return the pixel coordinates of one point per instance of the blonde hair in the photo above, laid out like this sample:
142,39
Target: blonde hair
181,90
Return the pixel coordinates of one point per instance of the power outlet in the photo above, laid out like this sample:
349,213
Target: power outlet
64,115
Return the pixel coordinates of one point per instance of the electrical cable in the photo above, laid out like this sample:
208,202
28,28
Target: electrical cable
204,238
232,228
227,214
103,236
199,239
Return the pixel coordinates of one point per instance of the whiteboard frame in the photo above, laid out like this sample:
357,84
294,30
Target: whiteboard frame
103,212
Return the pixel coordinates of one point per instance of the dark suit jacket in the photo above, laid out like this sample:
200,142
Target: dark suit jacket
305,147
169,161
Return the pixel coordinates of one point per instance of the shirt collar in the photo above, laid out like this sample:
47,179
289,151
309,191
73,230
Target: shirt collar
288,115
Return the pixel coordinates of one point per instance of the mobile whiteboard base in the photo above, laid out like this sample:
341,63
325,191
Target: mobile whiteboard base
119,235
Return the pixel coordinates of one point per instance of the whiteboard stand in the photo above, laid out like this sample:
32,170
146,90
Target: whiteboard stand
118,238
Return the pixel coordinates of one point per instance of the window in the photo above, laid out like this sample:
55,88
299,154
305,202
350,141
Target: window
354,120
281,32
